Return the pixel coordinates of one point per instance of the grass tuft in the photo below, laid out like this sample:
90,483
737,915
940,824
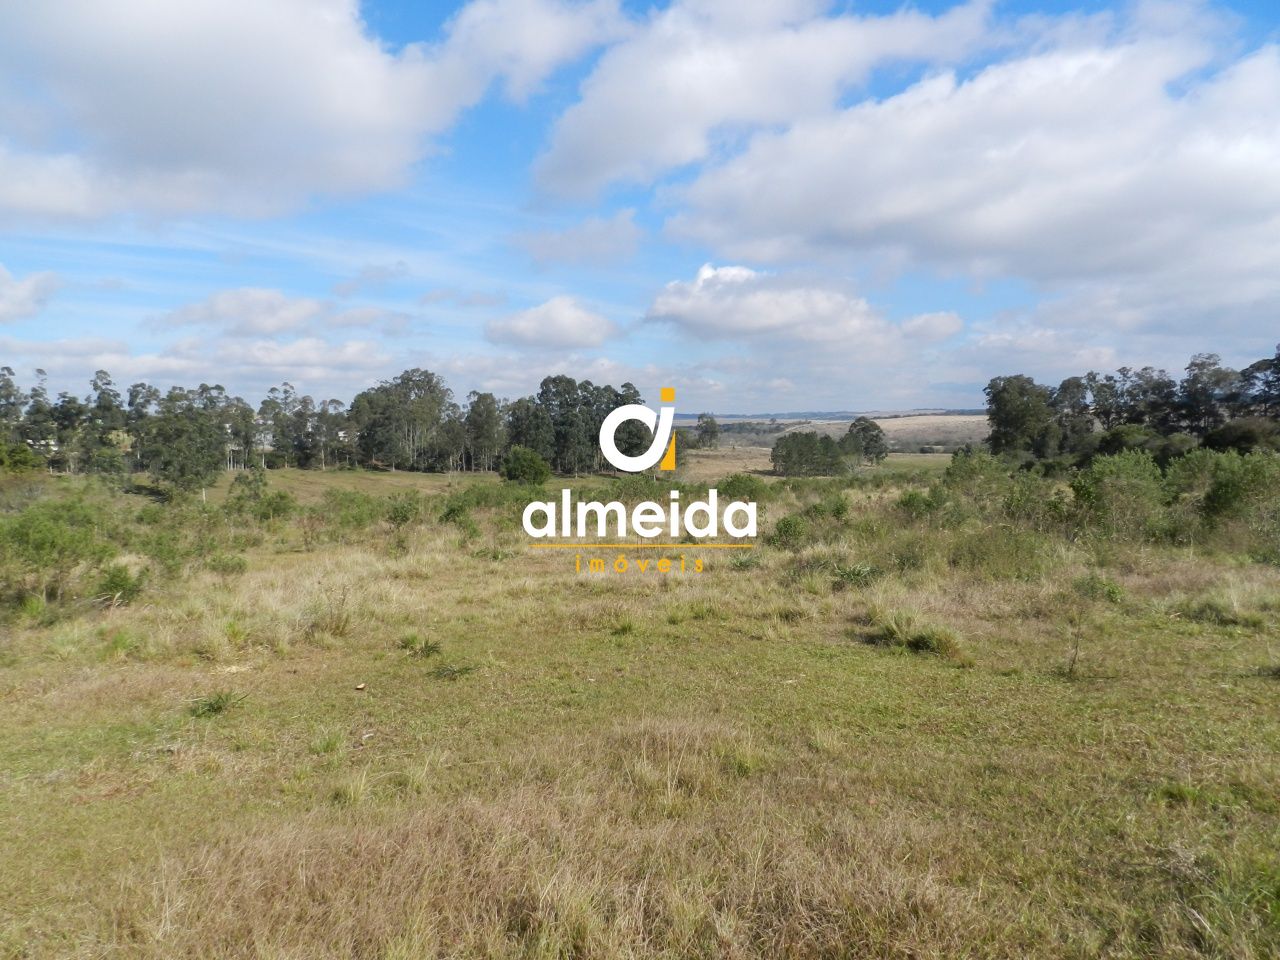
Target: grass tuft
215,703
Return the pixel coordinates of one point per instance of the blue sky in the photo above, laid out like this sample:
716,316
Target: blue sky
772,204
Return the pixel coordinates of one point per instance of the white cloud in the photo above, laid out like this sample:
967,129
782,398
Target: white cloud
595,240
701,71
796,338
248,311
244,107
736,302
26,297
1125,177
561,322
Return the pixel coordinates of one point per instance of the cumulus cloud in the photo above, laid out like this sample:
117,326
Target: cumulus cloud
810,339
561,322
1125,172
243,107
700,71
596,240
733,302
26,297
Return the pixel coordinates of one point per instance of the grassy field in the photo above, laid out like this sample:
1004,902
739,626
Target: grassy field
874,735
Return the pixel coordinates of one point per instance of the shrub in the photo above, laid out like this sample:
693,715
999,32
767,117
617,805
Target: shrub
118,586
45,543
743,486
350,510
1094,586
1241,484
916,504
525,466
1122,494
404,508
275,504
791,533
458,515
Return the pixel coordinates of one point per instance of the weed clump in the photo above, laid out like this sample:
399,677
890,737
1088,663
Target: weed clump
452,671
215,704
419,646
900,629
1094,586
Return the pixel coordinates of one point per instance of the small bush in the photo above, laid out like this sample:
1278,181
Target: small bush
1094,586
274,505
1122,494
743,486
524,466
118,586
458,515
916,504
404,509
350,510
791,533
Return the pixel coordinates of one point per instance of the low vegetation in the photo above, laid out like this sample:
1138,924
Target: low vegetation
353,714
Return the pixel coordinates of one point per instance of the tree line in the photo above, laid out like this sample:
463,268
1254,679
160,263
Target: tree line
1148,409
184,437
807,453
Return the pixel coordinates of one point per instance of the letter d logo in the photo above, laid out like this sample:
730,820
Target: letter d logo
659,423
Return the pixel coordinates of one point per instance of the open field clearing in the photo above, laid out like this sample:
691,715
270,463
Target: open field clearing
906,433
912,722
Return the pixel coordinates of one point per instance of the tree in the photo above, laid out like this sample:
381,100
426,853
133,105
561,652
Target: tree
401,422
184,444
1072,419
39,430
1203,393
806,454
12,400
1018,411
484,430
529,425
864,441
571,409
708,431
1260,388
